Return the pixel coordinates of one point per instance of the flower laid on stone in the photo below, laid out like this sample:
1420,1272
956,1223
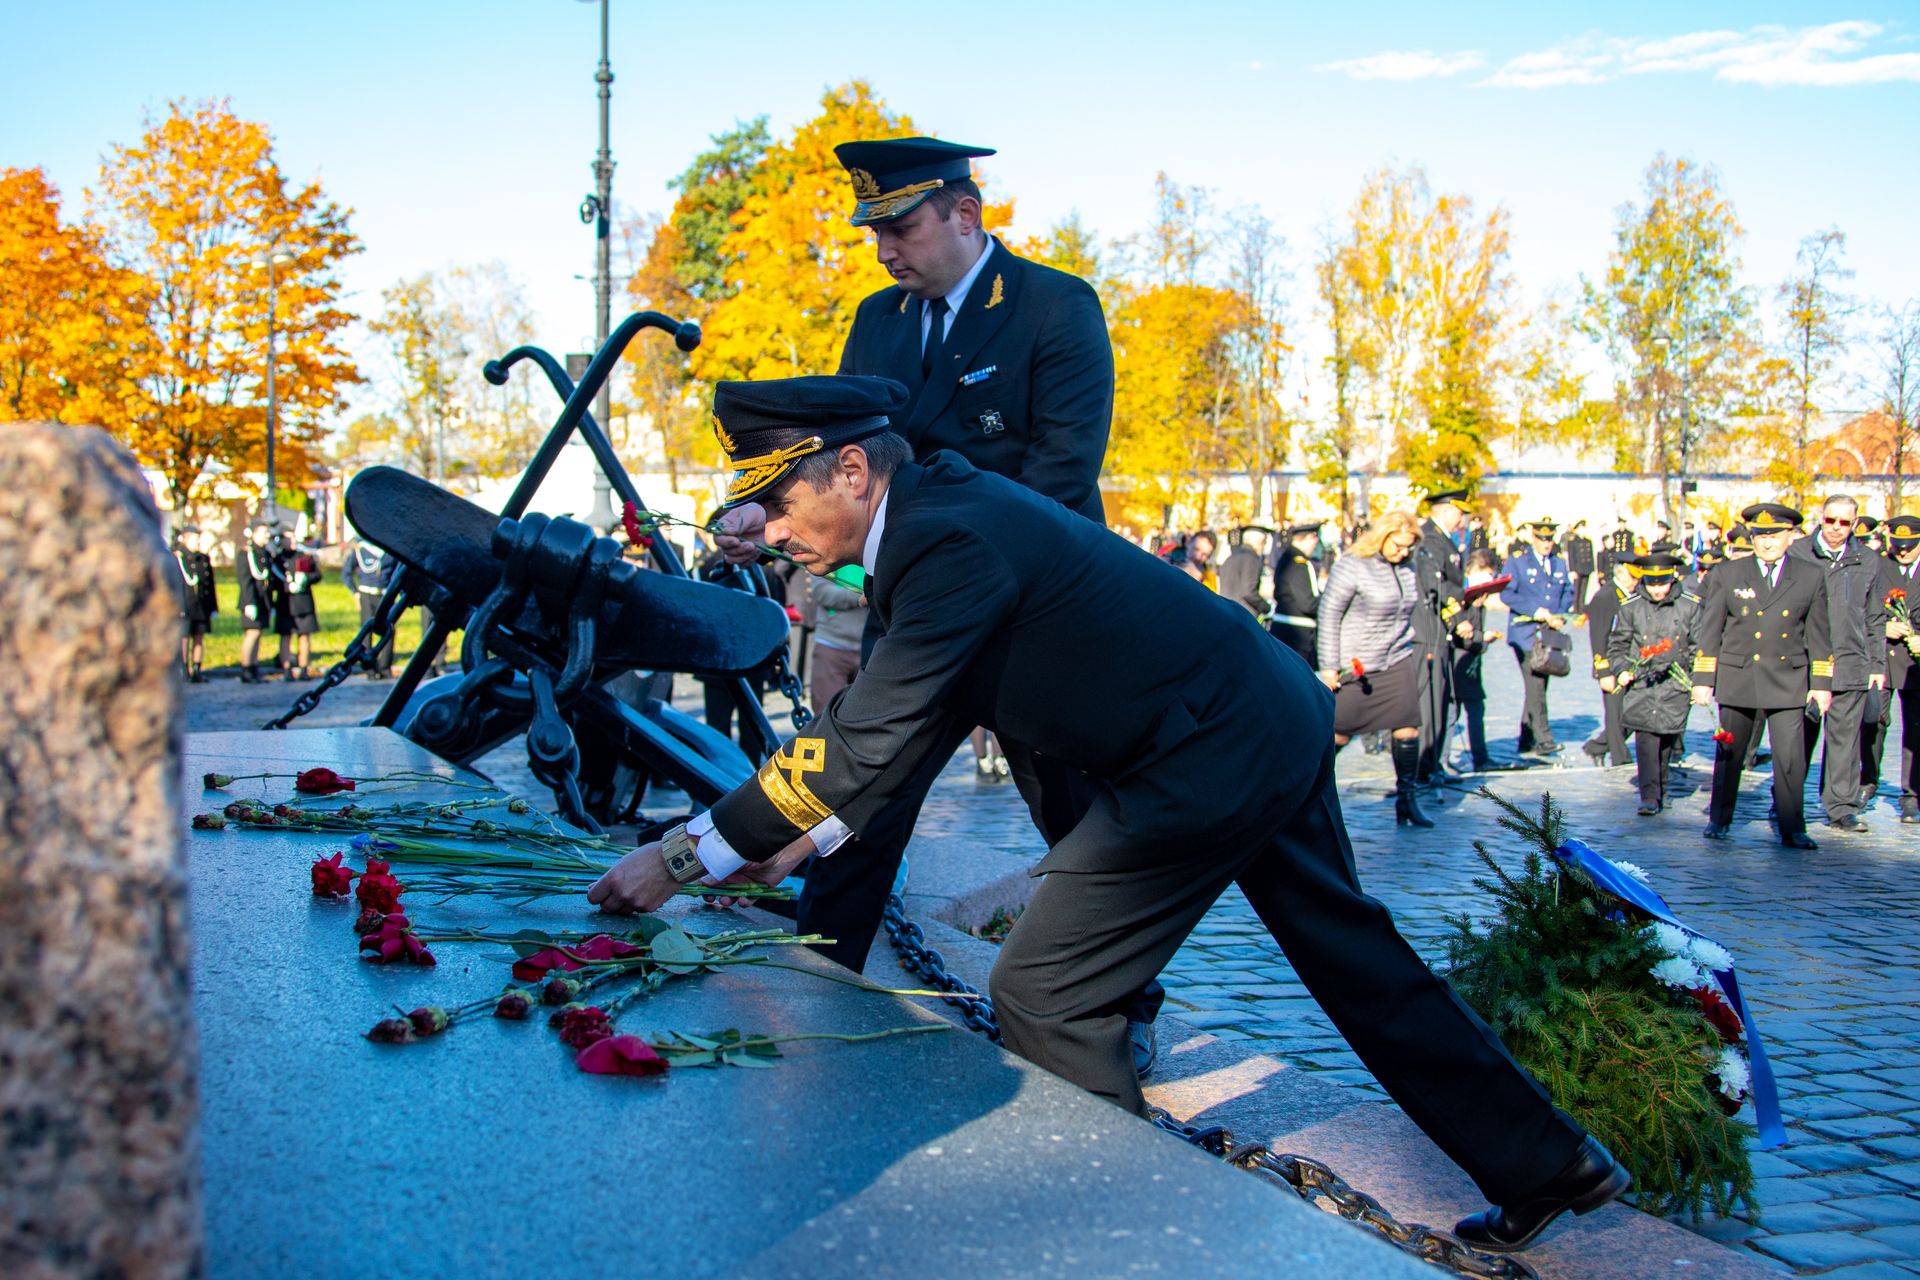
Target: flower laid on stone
331,879
209,821
378,890
595,949
396,943
514,1005
621,1056
391,1031
321,782
581,1025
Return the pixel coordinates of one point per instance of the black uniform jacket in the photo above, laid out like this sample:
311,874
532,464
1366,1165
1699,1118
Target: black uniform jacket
1026,387
1601,611
1296,603
1657,700
1902,671
1762,648
998,608
1436,564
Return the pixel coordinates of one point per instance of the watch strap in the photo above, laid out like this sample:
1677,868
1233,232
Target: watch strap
683,863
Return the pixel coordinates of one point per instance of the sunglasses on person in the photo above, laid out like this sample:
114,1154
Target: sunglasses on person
1842,521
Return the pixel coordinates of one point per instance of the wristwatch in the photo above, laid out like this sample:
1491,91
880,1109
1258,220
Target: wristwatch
683,864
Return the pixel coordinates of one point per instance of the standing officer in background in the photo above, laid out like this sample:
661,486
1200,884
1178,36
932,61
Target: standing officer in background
1764,654
1297,582
254,571
368,572
1856,626
1609,746
1578,549
1541,596
1899,572
1436,623
1007,363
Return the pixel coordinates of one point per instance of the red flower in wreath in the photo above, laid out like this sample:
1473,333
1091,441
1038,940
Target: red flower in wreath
321,782
1718,1013
330,878
621,1056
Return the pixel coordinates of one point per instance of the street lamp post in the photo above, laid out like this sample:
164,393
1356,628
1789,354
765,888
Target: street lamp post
271,257
598,209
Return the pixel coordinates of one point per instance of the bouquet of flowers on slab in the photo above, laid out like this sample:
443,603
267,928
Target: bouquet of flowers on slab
1630,1020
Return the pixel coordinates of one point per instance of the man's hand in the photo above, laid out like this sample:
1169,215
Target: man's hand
1608,684
1493,636
1464,630
772,871
738,530
638,882
1876,683
1626,678
1331,679
1822,699
1542,614
1898,630
1555,624
1702,696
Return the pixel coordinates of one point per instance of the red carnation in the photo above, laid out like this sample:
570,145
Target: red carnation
321,782
621,1056
1655,649
391,1031
559,991
582,1026
1897,593
514,1006
369,921
396,943
1723,736
215,781
429,1021
1718,1013
209,822
330,879
378,890
1358,669
599,947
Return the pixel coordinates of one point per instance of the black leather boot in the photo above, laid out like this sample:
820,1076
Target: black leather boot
1591,1179
1406,806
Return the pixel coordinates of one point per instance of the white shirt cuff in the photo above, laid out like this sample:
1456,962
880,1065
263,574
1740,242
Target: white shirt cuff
720,860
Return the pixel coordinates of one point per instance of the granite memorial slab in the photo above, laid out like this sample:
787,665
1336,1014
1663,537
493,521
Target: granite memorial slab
484,1152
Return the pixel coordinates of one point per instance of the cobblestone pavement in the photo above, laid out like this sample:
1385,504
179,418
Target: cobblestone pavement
1825,941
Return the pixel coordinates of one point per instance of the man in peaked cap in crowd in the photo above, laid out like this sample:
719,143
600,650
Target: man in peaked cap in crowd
1187,719
1541,596
1296,592
1764,654
1436,566
1007,363
1899,572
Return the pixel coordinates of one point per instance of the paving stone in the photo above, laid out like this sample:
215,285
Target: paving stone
1828,1157
1854,1128
1870,1271
1774,1191
1904,1238
1768,1165
1902,1147
1874,1099
1882,1211
1789,1219
1897,1075
1824,1108
1818,1250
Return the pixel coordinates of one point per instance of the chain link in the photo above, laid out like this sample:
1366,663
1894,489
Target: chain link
789,684
1309,1179
358,654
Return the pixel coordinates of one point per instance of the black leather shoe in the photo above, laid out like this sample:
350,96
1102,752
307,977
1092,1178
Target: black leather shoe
1850,824
1592,1179
1146,1048
1647,810
1718,831
1909,819
1798,840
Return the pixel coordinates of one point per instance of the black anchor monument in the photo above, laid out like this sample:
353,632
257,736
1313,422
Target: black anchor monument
483,1152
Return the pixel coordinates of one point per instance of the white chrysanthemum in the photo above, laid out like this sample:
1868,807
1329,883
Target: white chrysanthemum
1678,971
1672,939
1735,1078
1709,954
1630,869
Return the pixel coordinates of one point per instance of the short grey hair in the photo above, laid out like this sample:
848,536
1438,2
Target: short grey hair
886,454
1834,499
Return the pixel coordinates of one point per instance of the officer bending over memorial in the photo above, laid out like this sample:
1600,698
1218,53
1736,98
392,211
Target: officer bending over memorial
996,608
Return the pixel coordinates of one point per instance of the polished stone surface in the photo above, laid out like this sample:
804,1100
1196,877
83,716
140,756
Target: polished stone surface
484,1151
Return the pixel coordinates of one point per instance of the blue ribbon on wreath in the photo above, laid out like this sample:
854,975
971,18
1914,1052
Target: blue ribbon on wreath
1766,1097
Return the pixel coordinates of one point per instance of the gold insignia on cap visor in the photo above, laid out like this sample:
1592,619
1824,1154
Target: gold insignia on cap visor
754,474
881,206
864,187
1768,520
720,433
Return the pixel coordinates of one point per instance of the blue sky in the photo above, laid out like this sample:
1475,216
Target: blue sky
463,132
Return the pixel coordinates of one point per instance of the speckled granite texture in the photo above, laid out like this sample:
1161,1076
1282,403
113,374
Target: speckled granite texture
99,1150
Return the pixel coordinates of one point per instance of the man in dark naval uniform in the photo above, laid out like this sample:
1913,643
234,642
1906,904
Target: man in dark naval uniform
1007,363
1899,572
1764,654
1296,592
1188,720
1436,619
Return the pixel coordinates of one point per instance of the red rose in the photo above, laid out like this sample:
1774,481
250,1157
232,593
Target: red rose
330,879
581,1027
514,1006
1359,669
395,943
1724,737
429,1021
209,822
321,782
391,1031
620,1056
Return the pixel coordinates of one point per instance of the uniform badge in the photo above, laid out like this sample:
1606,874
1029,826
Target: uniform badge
978,375
864,187
726,441
1746,593
990,423
998,296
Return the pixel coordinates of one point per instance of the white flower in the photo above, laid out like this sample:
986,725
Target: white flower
1672,939
1627,867
1709,954
1731,1067
1678,971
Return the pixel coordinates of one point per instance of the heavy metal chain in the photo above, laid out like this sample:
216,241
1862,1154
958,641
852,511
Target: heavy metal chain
909,942
1309,1179
359,653
789,684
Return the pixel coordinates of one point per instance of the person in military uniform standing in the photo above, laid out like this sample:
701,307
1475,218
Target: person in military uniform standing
1541,596
259,596
1899,572
1856,626
1764,654
1246,561
1578,548
1007,363
1297,582
1191,719
1436,623
367,572
1656,692
1469,657
1609,746
200,600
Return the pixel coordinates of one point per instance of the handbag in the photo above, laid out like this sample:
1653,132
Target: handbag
1551,654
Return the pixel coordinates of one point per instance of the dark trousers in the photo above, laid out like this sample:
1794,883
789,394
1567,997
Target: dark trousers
1433,686
1088,939
1653,751
1613,707
1580,581
383,656
1789,764
1535,731
1840,791
1475,711
1873,745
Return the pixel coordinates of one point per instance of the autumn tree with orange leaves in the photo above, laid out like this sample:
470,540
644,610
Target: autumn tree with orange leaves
190,206
68,317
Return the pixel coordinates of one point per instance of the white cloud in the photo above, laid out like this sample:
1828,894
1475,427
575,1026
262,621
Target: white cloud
1831,54
1412,64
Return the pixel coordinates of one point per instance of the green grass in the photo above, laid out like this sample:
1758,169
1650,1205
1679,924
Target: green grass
339,622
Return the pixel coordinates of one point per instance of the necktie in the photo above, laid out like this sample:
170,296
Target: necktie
936,335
